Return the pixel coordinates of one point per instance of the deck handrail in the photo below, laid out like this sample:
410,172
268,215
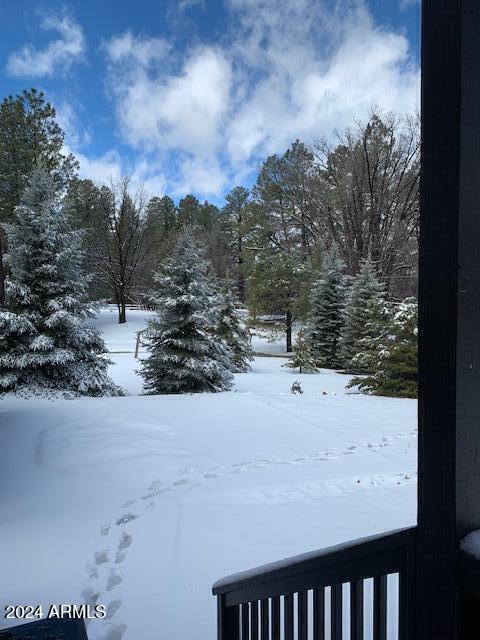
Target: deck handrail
378,556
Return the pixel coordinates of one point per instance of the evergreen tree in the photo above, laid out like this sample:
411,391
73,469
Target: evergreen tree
162,216
327,302
29,135
184,355
365,290
46,341
188,209
376,328
392,354
236,220
276,284
233,333
302,358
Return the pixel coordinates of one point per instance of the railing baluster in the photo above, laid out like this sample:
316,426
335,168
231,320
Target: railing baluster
402,604
254,619
276,618
356,610
336,611
264,620
288,616
302,616
406,597
228,620
263,604
319,614
245,621
380,608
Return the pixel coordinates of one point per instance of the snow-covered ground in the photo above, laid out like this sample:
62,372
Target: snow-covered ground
147,500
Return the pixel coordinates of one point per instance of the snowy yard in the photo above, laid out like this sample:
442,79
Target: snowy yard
148,500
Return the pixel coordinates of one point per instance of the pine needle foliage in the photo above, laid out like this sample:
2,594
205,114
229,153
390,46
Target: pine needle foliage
327,301
391,352
185,356
47,344
233,333
365,291
302,358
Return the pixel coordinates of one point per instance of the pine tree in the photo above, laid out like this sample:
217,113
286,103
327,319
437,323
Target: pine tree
327,302
365,290
377,326
392,354
46,342
302,359
184,355
233,333
29,135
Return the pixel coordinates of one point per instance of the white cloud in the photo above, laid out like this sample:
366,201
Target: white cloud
75,135
111,166
200,175
404,4
160,109
101,169
57,55
288,69
317,74
184,5
127,49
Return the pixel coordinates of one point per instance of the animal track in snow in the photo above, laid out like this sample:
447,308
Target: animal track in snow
127,517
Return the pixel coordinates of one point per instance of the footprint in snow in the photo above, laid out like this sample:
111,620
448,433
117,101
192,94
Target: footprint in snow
153,490
112,608
91,571
114,579
101,556
90,596
115,632
178,483
128,517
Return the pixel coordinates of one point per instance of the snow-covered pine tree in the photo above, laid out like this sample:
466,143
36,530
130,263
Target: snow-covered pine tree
302,358
377,325
327,301
392,354
184,355
47,344
365,291
233,333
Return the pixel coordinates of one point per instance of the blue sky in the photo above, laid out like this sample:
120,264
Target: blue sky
191,95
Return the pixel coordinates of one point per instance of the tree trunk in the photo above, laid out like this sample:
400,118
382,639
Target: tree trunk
241,281
288,330
2,276
240,271
122,307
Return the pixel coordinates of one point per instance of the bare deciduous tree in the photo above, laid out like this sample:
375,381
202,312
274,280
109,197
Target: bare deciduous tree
121,245
366,195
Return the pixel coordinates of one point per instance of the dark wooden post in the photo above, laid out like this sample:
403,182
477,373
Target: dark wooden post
449,318
228,620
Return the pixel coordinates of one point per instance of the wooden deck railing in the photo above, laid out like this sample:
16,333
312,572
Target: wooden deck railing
288,599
